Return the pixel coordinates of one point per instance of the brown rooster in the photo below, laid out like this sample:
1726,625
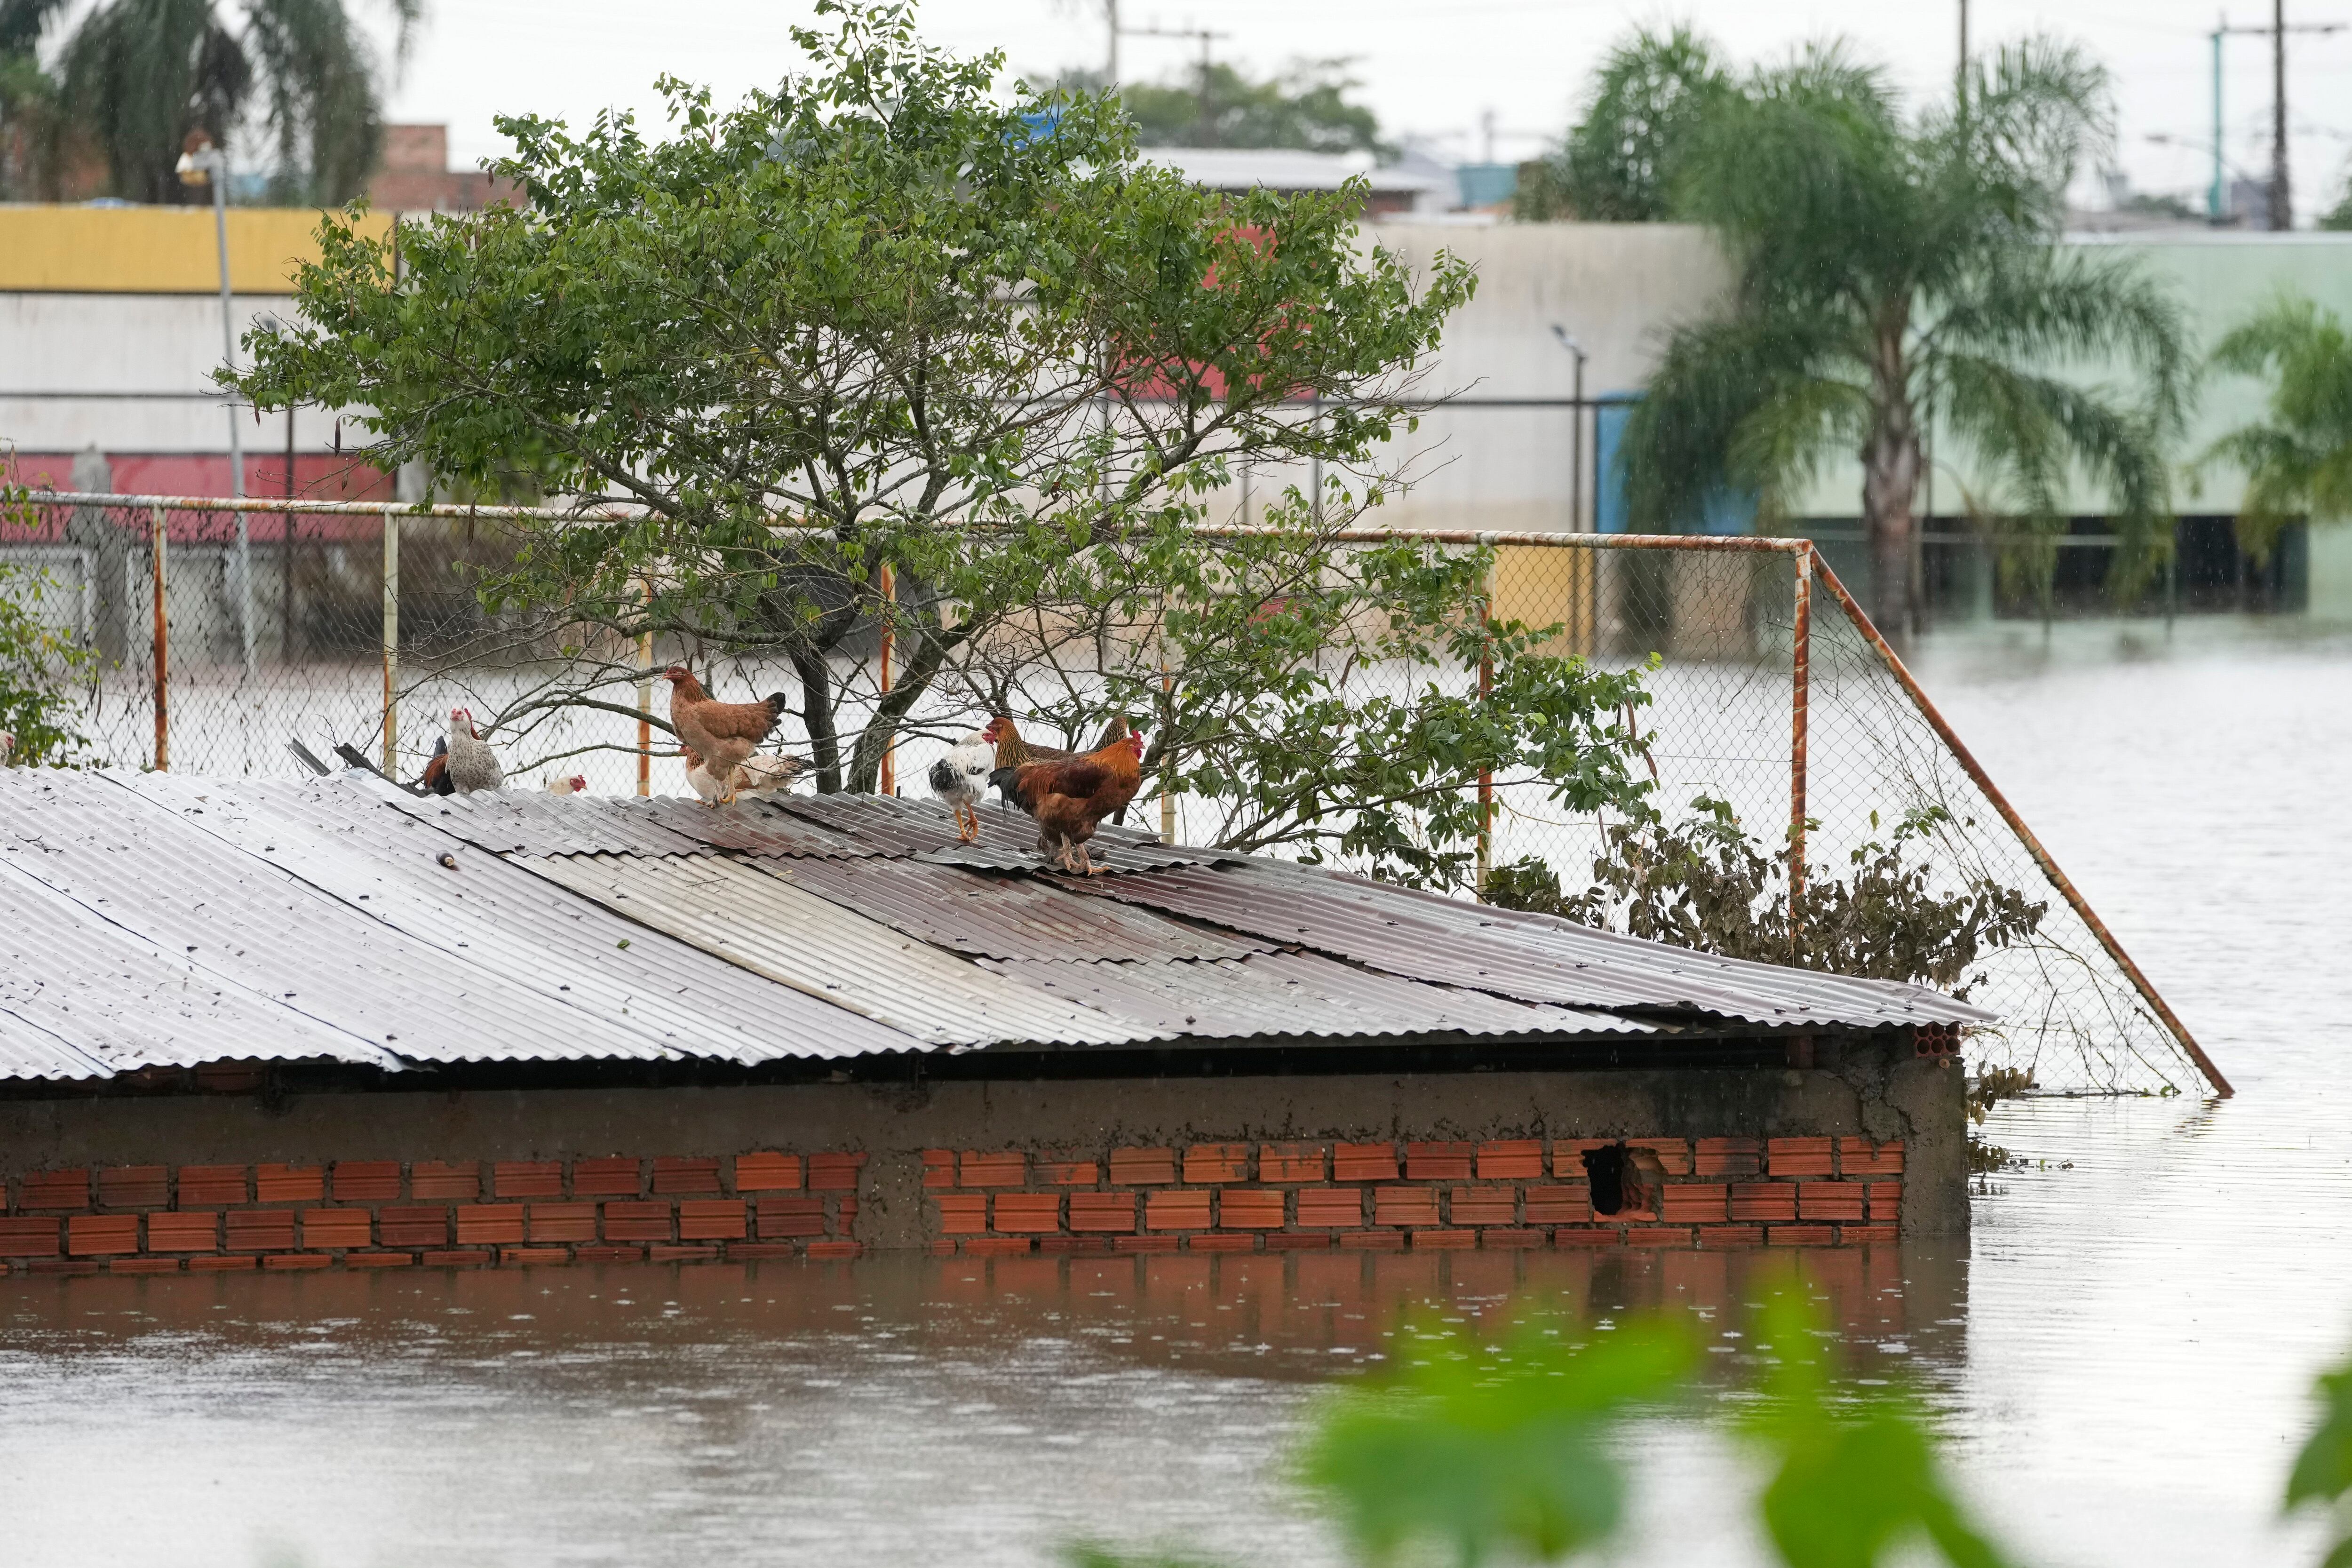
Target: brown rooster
1012,750
724,734
1070,796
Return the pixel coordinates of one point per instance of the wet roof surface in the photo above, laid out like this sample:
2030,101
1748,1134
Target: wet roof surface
164,921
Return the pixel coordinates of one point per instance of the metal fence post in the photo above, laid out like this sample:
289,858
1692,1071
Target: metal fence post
391,642
1800,705
162,650
889,783
1167,710
645,697
1485,690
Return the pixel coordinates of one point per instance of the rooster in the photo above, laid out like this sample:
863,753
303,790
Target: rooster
757,776
435,779
1069,798
470,763
7,749
1013,750
723,734
960,778
576,785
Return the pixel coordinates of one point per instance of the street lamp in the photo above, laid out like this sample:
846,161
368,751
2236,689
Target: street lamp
202,163
1576,429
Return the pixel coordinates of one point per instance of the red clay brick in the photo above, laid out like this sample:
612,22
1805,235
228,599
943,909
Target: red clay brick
515,1255
677,1177
1731,1235
298,1260
1510,1160
1674,1153
492,1224
994,1246
211,1185
1176,1211
1802,1235
1559,1206
60,1266
222,1264
805,1216
337,1228
765,1171
1290,1161
1339,1207
1484,1205
1069,1172
1439,1162
960,1213
1372,1240
1250,1208
1026,1213
1404,1206
1224,1241
290,1183
183,1232
1102,1211
558,1222
1586,1235
1829,1200
681,1254
366,1180
134,1188
1731,1157
528,1179
143,1266
1885,1202
379,1259
56,1190
623,1254
1860,1157
711,1219
1296,1240
466,1258
833,1173
938,1170
1074,1246
30,1238
260,1230
1005,1168
1657,1236
833,1250
90,1235
412,1227
1500,1237
1567,1155
1694,1203
1798,1156
1142,1167
1766,1201
1860,1235
608,1176
1133,1244
1217,1163
1444,1240
1364,1162
445,1179
635,1220
848,1211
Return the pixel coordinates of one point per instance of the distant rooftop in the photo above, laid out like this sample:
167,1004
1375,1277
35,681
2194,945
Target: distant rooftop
1290,169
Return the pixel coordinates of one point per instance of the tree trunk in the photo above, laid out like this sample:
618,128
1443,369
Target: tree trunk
1890,482
816,714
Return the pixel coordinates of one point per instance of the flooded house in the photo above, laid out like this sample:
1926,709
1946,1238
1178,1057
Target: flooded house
253,1025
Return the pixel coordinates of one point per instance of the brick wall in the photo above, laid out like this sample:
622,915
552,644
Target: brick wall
388,1214
1387,1196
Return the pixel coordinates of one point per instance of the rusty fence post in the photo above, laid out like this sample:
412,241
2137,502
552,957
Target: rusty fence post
1486,693
390,643
645,696
887,783
1168,709
163,648
1800,721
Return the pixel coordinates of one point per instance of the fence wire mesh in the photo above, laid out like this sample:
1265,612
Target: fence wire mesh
278,629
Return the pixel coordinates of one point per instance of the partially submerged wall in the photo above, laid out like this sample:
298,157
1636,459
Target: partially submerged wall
1733,1157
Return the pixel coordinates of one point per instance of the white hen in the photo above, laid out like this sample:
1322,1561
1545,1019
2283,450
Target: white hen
759,775
472,764
960,778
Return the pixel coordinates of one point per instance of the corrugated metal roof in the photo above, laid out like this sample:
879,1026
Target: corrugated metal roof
1462,945
747,826
496,916
526,822
792,936
1297,994
1006,917
925,829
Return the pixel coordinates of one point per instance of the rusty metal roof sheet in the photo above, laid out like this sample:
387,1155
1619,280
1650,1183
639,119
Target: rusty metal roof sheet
526,822
925,830
535,939
794,937
1538,960
747,826
1006,917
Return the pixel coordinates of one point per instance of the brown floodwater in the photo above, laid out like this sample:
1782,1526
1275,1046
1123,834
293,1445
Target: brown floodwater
2121,1357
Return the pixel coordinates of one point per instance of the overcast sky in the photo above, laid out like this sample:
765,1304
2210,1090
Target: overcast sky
1433,67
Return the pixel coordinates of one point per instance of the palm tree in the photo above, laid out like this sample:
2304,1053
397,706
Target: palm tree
138,76
2298,463
1884,266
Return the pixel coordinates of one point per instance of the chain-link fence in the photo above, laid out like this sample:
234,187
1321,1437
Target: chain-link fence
225,638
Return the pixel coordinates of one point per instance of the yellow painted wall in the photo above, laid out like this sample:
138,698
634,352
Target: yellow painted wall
153,250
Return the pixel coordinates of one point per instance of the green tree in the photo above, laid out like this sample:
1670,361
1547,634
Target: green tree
39,666
136,77
1306,106
1620,162
1886,265
2298,462
2322,1476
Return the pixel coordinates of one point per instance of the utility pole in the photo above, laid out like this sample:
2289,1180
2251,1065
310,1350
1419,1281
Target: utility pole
2281,208
1960,79
1203,35
1110,70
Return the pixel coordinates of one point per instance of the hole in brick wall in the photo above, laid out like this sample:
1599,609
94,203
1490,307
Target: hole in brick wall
1624,1180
